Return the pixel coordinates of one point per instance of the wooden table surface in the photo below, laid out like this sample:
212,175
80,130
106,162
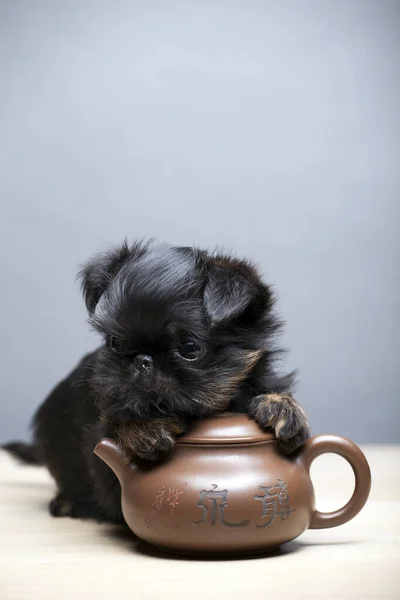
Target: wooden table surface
47,558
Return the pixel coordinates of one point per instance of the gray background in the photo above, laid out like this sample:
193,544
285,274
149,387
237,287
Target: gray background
268,127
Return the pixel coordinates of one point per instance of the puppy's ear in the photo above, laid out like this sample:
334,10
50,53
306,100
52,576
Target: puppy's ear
235,291
97,274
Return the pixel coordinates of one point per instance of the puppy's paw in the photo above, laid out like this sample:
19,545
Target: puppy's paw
285,416
151,440
61,506
152,446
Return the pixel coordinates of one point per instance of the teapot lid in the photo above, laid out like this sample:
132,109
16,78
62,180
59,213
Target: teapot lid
225,428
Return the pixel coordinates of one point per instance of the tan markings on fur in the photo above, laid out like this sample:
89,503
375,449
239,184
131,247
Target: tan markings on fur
220,393
102,418
288,403
144,435
276,398
279,426
252,358
303,413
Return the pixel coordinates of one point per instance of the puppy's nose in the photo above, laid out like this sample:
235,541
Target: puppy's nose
144,362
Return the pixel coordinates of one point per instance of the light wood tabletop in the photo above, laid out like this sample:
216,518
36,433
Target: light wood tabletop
47,558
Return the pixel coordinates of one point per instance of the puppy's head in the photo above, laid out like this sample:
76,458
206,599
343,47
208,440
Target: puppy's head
182,329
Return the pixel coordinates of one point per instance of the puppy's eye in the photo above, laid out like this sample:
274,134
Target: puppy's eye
114,344
120,347
189,350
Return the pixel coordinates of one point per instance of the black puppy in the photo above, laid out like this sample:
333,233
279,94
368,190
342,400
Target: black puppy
186,334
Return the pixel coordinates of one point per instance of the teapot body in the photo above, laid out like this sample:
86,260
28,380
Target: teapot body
226,489
220,499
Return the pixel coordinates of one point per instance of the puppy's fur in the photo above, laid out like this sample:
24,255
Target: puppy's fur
186,334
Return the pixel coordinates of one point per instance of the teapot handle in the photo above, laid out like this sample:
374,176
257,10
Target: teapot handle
323,444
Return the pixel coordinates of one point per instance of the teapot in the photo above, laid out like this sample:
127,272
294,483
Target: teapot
226,489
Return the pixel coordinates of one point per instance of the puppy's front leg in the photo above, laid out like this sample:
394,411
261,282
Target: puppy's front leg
285,416
149,440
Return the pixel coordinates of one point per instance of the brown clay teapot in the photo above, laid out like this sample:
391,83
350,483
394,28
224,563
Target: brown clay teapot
226,489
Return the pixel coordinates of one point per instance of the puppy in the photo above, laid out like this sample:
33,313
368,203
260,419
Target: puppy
186,334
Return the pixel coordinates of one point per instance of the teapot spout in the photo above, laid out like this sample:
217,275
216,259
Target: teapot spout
109,452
